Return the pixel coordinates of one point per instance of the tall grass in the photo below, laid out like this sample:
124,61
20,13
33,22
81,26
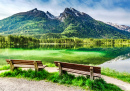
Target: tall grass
68,79
29,74
124,76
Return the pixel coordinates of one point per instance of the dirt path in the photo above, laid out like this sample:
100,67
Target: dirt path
13,84
123,85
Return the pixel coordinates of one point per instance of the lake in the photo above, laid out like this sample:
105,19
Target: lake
108,56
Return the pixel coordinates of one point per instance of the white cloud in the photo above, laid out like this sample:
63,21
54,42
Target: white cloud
118,16
103,10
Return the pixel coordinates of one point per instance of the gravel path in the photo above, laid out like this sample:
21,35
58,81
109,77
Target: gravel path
14,84
123,85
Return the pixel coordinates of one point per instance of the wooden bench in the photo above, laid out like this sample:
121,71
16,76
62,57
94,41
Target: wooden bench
92,71
14,63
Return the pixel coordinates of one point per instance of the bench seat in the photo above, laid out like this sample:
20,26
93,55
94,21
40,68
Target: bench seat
16,63
81,72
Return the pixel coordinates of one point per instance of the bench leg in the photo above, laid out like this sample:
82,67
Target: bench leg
11,65
91,73
60,69
36,66
12,68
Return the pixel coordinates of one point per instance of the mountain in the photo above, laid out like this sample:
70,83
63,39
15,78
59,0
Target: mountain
121,27
30,22
70,23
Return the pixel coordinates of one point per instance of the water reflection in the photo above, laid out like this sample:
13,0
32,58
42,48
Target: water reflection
121,57
64,46
120,63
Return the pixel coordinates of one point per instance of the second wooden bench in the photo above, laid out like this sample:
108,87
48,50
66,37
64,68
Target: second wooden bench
79,69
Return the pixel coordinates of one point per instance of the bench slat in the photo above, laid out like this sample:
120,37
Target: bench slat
74,66
24,66
28,63
97,69
80,72
28,66
24,62
17,60
31,63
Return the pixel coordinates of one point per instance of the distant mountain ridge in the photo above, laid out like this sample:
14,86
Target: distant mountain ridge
70,23
121,27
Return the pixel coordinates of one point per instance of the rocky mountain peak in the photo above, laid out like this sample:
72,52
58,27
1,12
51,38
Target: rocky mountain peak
34,10
50,15
34,13
72,12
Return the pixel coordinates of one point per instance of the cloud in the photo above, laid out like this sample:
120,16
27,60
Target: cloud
103,10
118,16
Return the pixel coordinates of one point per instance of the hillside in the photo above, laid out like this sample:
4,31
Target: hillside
70,23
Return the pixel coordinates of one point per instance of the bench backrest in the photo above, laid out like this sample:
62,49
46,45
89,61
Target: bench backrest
79,67
24,62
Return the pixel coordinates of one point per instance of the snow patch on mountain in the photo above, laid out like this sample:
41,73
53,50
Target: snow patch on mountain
121,27
50,15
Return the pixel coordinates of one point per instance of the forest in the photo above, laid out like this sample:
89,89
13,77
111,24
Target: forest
11,41
8,41
86,41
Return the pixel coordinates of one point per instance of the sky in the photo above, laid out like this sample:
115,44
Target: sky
115,11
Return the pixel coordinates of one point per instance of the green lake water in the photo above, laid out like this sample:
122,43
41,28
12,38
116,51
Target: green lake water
81,54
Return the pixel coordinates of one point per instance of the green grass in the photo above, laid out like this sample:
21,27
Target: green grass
67,79
5,67
29,74
124,76
50,64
